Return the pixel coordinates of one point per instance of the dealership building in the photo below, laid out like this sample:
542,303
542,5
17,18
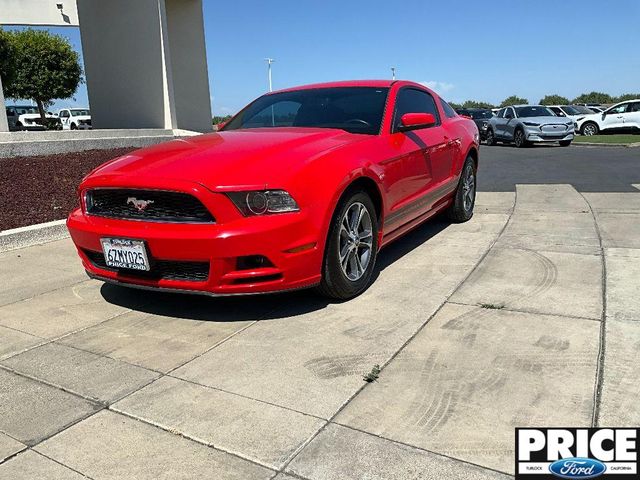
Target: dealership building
144,60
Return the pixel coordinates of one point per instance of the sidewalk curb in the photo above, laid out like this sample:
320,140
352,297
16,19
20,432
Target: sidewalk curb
32,235
594,144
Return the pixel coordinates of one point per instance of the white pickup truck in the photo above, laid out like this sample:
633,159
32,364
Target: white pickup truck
27,117
75,118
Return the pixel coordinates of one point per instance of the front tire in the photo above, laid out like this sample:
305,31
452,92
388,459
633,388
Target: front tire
589,129
519,139
565,143
461,209
491,138
352,248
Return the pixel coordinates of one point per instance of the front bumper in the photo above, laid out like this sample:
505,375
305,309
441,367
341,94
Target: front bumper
534,135
289,242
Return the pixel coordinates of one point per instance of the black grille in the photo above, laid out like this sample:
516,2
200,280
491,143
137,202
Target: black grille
160,206
160,269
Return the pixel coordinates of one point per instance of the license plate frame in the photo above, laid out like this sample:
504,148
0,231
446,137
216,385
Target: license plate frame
133,254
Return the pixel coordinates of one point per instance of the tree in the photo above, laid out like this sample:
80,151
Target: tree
594,97
455,106
554,100
514,100
7,57
45,68
627,96
476,104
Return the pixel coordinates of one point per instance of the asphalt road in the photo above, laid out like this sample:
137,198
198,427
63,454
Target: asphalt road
587,169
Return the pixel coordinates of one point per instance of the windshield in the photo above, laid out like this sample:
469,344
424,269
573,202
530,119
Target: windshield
581,109
569,110
534,111
77,113
354,109
23,110
480,114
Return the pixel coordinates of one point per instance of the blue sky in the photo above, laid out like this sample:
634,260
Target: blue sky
465,49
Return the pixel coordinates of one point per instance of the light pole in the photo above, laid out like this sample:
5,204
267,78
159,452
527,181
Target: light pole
393,73
269,62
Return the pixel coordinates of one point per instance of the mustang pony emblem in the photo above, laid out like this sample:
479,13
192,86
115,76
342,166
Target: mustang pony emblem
141,205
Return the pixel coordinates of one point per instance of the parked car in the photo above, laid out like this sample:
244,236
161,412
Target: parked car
621,116
573,112
75,118
480,116
301,188
27,117
595,109
527,124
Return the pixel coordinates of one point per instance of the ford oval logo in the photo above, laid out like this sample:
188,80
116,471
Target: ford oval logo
577,468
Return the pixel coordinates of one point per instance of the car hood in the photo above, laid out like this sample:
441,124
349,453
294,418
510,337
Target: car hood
81,117
259,158
35,115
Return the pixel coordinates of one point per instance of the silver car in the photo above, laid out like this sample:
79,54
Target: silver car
527,124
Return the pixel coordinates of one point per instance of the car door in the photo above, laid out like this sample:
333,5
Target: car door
614,117
426,154
510,123
498,122
632,116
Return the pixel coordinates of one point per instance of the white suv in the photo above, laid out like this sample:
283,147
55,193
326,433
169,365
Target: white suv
75,118
623,115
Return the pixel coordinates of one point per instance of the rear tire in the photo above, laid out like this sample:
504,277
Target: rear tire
519,139
464,200
491,138
73,127
352,248
589,129
565,143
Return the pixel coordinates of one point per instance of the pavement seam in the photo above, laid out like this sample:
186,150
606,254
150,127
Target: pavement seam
60,337
531,312
246,397
599,376
62,464
426,450
195,440
403,346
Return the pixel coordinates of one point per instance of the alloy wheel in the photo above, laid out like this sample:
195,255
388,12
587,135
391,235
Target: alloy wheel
356,241
589,130
519,138
468,188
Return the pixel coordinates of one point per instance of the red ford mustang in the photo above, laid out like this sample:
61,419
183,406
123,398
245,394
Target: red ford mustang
301,188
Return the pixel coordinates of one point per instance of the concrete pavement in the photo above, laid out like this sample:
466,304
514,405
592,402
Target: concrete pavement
478,328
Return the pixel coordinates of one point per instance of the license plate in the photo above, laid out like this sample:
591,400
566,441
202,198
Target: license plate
125,253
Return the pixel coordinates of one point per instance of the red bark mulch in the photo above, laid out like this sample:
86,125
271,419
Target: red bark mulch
40,189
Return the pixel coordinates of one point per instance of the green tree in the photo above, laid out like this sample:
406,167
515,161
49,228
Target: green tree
594,97
514,100
454,105
476,104
7,57
554,100
627,96
45,68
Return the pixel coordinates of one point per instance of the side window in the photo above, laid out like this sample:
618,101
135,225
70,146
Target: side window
620,108
501,113
634,107
448,111
412,100
509,113
10,112
557,111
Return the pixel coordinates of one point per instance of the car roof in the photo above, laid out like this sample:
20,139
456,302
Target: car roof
354,83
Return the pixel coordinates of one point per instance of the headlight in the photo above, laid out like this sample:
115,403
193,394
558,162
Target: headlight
263,202
531,124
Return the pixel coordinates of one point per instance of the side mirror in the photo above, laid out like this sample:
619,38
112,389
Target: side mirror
411,121
221,125
604,114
